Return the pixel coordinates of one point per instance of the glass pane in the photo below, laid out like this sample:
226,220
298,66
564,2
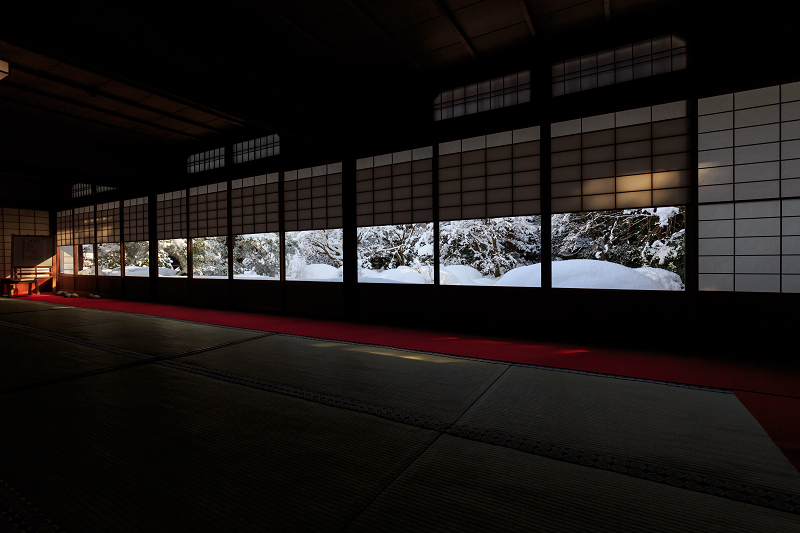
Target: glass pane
314,255
108,259
637,249
491,251
66,260
210,257
172,258
137,258
86,260
257,256
401,253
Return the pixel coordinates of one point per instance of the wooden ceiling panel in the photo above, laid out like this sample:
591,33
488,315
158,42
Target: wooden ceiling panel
414,12
101,102
453,5
197,115
198,131
78,75
56,88
543,8
141,114
120,122
428,36
14,54
163,104
83,112
125,91
156,132
571,19
39,100
20,78
221,124
452,55
488,16
169,122
502,40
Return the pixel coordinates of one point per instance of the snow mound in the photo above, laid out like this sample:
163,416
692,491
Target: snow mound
318,272
669,280
527,276
582,274
463,272
448,278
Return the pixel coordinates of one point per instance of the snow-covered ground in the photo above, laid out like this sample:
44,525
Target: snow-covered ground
575,273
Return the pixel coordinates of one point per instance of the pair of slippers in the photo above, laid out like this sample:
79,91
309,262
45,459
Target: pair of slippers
66,294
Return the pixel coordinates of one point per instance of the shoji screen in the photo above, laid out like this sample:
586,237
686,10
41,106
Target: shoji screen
254,204
171,215
108,223
20,222
64,236
208,210
137,226
395,188
749,190
83,225
493,175
634,158
313,198
616,65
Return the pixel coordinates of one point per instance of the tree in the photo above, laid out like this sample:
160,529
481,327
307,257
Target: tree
210,256
634,238
173,249
492,245
108,256
258,254
384,247
137,253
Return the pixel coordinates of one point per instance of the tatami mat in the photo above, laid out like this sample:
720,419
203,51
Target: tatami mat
146,335
459,485
427,385
156,449
191,445
707,433
29,358
13,305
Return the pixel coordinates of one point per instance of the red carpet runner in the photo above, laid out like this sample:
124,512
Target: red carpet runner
772,397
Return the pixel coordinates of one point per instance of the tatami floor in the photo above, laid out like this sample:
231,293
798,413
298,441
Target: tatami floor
118,422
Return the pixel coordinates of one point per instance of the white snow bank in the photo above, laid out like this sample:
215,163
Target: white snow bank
669,280
317,272
582,274
464,272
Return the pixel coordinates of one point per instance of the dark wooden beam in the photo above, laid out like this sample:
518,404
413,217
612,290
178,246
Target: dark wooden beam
69,83
607,9
385,34
76,117
66,100
523,5
452,23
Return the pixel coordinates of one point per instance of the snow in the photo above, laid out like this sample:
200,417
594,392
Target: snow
573,273
317,272
464,272
584,274
668,280
664,213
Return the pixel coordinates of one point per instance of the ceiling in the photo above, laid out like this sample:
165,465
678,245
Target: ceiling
115,90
